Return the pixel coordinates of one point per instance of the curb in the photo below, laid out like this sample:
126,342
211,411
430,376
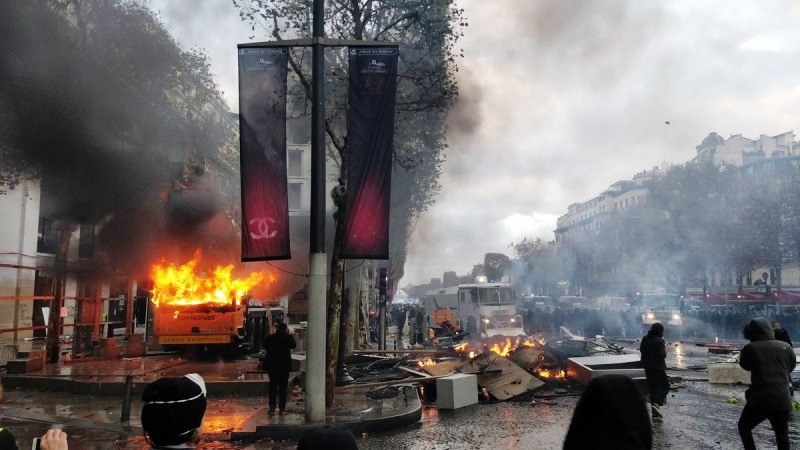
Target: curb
363,424
117,388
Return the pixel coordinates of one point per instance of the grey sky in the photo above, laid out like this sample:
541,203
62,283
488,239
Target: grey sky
561,98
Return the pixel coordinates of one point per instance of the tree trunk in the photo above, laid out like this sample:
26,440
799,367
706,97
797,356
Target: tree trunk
334,305
334,314
350,310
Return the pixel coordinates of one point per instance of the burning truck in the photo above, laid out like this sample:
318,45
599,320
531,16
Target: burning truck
206,309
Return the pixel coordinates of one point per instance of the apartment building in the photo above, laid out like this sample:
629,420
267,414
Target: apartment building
589,215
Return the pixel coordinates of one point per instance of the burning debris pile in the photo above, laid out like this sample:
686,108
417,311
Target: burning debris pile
505,367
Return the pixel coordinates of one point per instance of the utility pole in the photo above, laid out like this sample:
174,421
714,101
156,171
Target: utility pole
382,279
317,301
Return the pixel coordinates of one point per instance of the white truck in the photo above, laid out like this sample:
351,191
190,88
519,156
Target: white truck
483,309
659,307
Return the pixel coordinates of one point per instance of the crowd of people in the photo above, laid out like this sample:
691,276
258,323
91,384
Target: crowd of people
723,323
408,318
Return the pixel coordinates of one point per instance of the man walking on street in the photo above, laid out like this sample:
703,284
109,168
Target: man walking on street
278,363
654,362
769,362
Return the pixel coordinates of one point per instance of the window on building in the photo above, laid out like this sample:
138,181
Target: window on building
295,197
86,243
295,163
48,238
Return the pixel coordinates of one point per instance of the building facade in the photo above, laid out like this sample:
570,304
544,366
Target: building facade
766,164
588,216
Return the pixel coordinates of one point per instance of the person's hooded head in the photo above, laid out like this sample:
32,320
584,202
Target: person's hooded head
758,329
656,330
327,437
7,440
611,414
173,409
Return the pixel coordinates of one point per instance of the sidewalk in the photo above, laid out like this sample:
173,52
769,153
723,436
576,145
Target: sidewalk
237,403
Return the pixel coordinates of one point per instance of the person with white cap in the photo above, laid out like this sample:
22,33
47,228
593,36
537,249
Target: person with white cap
173,411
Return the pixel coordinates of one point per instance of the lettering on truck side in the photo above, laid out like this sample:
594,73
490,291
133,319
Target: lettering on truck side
196,317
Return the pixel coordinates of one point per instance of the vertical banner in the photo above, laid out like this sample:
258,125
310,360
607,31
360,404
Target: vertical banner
372,86
262,135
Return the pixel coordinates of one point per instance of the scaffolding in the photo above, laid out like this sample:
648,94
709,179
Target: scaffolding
84,315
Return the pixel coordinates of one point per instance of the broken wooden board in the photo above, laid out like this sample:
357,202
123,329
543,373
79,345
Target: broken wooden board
501,377
442,368
526,357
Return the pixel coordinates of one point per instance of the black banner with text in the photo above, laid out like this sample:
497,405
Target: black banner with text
372,86
262,128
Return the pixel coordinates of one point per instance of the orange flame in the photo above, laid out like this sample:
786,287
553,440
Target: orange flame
427,362
505,351
180,285
547,374
460,347
534,343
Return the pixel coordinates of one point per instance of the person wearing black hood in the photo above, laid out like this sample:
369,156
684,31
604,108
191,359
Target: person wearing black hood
769,362
611,415
278,363
654,362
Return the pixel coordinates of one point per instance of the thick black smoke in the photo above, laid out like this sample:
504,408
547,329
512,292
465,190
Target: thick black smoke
88,103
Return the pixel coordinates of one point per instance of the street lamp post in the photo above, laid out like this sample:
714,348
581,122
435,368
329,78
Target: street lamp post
315,357
318,259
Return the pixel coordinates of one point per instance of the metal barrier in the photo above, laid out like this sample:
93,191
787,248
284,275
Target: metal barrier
83,319
7,353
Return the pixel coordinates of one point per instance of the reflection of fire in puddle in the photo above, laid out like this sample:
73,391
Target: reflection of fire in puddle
224,422
679,359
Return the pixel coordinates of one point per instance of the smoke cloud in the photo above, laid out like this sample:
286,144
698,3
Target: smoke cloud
86,110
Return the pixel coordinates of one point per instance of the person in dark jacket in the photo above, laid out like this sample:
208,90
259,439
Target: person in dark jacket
654,362
769,362
328,437
781,334
611,414
278,363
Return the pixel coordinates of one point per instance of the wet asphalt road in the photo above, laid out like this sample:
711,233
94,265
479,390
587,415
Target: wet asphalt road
698,416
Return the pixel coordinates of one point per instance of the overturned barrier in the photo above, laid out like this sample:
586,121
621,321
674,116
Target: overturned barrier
584,369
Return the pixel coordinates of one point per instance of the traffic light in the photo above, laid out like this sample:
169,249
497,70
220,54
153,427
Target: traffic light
382,281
